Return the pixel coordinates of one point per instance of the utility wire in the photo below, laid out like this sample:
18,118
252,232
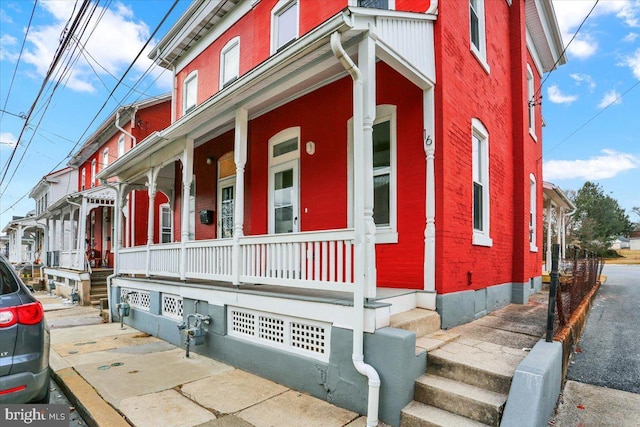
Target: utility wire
13,76
532,101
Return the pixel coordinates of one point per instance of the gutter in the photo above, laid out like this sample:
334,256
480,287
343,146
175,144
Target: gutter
373,401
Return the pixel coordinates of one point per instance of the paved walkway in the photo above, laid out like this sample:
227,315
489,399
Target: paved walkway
115,376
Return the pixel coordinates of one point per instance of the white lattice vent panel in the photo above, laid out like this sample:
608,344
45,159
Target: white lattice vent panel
172,306
136,298
301,336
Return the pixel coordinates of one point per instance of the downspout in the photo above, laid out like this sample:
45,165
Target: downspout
129,134
358,296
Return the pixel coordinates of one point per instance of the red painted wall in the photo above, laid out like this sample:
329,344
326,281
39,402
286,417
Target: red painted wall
139,211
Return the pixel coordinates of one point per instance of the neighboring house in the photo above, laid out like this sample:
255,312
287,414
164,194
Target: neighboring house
79,225
354,164
557,210
621,243
24,240
634,239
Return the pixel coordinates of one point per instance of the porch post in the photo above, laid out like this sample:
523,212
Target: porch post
187,177
117,226
240,158
428,108
70,236
45,242
19,243
547,261
151,191
561,231
367,65
82,238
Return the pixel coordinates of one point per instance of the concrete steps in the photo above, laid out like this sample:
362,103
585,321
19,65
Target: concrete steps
98,289
417,414
420,321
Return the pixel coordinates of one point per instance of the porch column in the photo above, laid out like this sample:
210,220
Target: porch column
428,107
367,65
19,232
151,191
70,245
117,226
82,232
547,261
240,159
561,231
45,242
187,177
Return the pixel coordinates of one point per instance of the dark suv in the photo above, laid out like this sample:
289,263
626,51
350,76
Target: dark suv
24,342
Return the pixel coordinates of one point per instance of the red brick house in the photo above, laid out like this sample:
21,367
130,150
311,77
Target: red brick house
330,167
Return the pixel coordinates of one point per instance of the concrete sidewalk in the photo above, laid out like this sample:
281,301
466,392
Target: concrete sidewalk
120,377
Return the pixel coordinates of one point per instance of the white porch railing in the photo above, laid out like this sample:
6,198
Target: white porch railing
69,259
317,260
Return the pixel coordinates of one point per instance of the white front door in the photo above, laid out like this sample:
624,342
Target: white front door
226,197
284,212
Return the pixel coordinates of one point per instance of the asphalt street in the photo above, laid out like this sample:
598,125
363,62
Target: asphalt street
608,354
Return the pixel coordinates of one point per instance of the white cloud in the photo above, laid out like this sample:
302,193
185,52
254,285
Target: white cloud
607,165
7,139
631,37
633,62
583,79
610,98
557,97
113,42
570,15
4,17
6,42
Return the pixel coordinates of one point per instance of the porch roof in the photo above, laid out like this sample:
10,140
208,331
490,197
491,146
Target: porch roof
302,67
557,196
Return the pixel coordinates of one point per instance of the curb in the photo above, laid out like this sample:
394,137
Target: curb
93,409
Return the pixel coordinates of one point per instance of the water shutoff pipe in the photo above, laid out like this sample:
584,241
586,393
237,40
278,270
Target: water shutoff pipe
373,401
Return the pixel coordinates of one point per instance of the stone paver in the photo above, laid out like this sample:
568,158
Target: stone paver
226,421
149,373
166,408
103,343
293,408
232,391
88,332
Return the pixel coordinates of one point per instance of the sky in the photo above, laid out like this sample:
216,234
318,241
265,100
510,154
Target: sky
591,104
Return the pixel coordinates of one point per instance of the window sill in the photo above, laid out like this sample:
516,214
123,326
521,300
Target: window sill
533,248
533,135
481,239
481,59
386,236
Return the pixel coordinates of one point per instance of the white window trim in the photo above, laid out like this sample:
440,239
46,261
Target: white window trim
160,208
482,238
93,173
83,179
275,162
121,147
533,228
225,182
531,106
193,76
105,158
388,233
275,12
480,52
231,44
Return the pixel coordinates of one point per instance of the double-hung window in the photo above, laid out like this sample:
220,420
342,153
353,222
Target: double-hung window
190,92
120,146
105,158
230,62
531,102
480,171
533,232
384,174
478,31
284,24
83,179
93,172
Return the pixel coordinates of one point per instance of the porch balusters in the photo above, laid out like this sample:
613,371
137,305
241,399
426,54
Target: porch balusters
240,158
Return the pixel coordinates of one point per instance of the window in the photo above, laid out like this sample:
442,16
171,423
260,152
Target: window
166,224
226,195
532,213
284,24
531,102
230,62
377,4
93,173
190,92
480,170
120,146
477,31
284,153
384,174
105,158
83,179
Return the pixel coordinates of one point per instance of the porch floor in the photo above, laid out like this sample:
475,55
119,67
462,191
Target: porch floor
302,294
